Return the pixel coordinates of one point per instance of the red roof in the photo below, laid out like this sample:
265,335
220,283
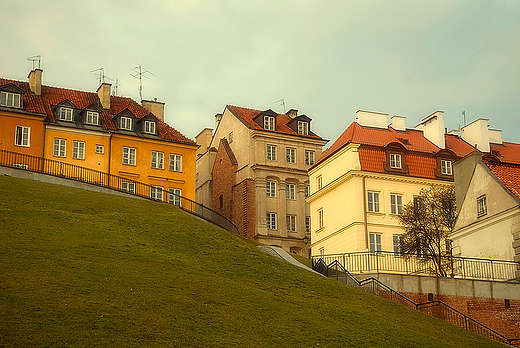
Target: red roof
52,96
508,174
506,152
247,115
419,157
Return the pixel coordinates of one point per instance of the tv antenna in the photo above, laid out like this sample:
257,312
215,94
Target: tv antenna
464,116
33,59
139,73
280,103
115,86
101,75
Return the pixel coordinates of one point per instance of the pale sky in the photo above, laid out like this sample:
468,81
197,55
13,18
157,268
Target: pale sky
327,59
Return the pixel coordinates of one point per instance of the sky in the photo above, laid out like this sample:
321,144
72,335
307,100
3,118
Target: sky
325,58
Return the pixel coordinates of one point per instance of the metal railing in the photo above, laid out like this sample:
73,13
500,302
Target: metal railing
458,267
113,182
335,270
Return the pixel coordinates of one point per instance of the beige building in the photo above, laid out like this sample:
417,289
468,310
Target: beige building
360,184
253,169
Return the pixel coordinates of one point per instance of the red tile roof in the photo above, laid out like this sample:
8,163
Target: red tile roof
506,152
52,96
508,174
419,157
247,115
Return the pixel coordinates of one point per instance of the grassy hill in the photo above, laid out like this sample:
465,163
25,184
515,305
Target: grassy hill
86,269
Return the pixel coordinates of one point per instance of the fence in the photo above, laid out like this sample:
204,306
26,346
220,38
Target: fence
457,267
438,309
114,182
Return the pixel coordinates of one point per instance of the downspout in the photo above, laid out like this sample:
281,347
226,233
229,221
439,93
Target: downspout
109,156
365,223
43,149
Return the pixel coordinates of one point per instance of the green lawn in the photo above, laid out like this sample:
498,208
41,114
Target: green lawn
85,269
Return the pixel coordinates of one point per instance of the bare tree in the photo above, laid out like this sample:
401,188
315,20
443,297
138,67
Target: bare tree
427,222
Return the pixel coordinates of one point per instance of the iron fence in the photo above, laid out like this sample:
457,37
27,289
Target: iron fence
457,267
95,177
335,270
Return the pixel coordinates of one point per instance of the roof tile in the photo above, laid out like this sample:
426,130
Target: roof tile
508,174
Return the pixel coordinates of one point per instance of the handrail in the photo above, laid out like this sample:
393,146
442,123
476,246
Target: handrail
444,312
457,266
113,182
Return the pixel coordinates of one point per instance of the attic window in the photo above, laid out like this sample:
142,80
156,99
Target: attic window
303,128
269,123
10,99
404,141
395,160
446,167
66,114
126,123
481,206
92,118
149,127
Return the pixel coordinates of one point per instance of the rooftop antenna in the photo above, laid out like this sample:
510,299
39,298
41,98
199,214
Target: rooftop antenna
101,75
115,86
33,59
280,103
464,116
139,73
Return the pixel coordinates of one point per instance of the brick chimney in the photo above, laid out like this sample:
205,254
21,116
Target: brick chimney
104,95
155,107
35,81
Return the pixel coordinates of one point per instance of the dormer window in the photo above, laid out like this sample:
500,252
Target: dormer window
126,123
10,99
446,167
92,118
66,114
303,128
395,160
149,127
269,123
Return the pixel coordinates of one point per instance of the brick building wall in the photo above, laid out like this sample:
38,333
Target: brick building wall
224,173
244,211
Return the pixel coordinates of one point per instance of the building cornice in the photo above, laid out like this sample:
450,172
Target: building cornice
332,157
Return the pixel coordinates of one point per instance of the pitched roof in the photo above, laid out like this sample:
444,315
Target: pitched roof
508,174
52,96
506,152
247,117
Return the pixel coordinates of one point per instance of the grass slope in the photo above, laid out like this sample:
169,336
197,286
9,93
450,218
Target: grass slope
85,269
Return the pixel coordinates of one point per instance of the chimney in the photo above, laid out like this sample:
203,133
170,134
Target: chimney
35,81
398,123
104,95
372,119
204,140
292,113
155,107
218,118
433,128
477,133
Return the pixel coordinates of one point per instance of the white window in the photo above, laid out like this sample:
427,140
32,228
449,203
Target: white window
398,244
156,192
321,223
66,114
129,156
126,123
157,160
291,223
270,189
290,191
309,157
446,167
149,127
271,152
128,186
175,163
307,224
373,202
321,251
481,206
375,242
174,196
418,204
78,149
59,147
10,99
92,117
396,204
307,191
271,221
22,136
395,160
319,182
100,149
290,155
230,137
303,128
269,123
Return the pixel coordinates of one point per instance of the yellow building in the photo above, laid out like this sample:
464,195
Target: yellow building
114,135
360,184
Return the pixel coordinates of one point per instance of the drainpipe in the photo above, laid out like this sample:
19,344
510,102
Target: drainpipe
43,149
109,156
365,223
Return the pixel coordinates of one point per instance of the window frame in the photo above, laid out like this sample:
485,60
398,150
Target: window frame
290,155
270,189
59,148
65,112
445,168
290,220
24,138
373,205
130,186
156,192
125,123
150,127
230,137
131,156
319,182
100,149
396,207
15,96
397,242
175,162
375,243
290,191
309,157
271,152
157,160
481,206
269,123
175,196
321,219
271,221
303,128
94,116
78,149
396,161
307,224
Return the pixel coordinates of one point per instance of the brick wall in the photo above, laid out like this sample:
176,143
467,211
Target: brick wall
223,181
244,208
